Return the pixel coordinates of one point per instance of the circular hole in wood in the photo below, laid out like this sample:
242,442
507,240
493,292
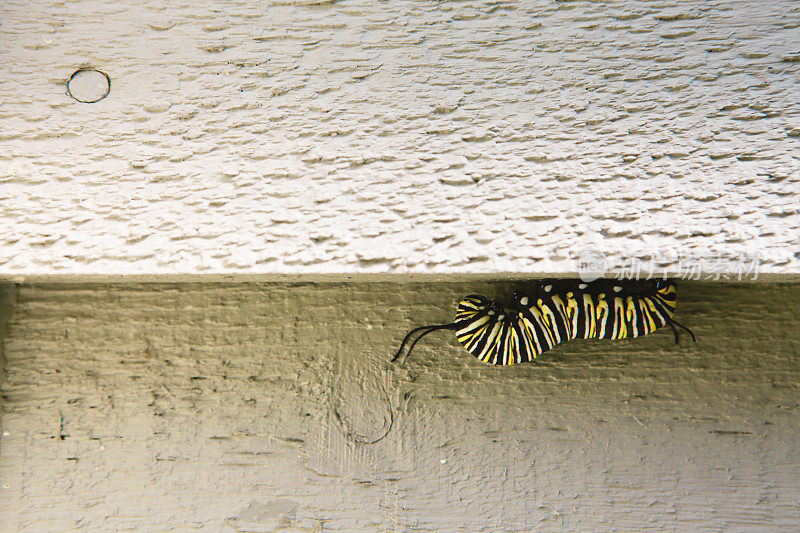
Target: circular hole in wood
88,85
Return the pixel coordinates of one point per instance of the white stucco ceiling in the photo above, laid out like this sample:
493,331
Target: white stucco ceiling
365,137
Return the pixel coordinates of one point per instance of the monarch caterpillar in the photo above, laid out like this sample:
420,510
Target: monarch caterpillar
554,312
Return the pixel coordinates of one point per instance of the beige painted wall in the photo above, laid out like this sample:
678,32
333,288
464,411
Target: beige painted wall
226,407
7,293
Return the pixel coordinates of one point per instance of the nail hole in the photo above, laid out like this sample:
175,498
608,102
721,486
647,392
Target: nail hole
88,85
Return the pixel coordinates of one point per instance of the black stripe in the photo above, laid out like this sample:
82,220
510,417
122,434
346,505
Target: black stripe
541,334
525,349
558,320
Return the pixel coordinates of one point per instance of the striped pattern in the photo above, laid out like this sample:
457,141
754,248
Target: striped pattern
559,311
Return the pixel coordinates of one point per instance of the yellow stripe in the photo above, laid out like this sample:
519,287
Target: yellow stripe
536,347
573,314
550,324
641,308
510,345
469,338
470,330
477,335
558,303
669,289
540,320
491,343
518,342
630,316
602,313
651,304
620,329
591,316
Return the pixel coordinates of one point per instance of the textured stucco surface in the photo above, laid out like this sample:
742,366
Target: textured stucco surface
225,407
360,137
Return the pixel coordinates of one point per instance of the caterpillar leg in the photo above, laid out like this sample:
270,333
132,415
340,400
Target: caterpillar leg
673,323
425,330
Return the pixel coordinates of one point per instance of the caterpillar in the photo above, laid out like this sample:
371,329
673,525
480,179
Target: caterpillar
552,312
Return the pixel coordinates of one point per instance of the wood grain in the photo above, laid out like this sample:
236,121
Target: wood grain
241,407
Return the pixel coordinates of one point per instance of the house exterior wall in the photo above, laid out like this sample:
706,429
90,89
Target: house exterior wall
253,407
329,145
